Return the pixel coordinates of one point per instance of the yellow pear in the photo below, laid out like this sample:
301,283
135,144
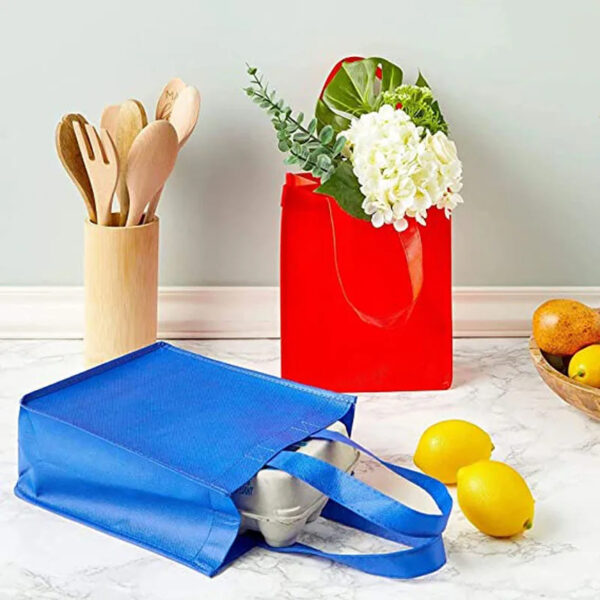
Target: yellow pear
563,327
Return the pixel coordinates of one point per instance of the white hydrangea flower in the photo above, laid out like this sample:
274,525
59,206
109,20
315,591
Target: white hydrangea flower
402,173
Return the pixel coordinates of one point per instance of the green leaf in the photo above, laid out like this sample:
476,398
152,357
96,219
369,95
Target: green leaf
391,75
325,116
283,146
323,161
300,118
300,137
421,81
344,188
354,91
351,90
326,134
339,145
436,107
312,126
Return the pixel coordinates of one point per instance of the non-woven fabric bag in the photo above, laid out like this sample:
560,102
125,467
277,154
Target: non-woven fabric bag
362,309
152,446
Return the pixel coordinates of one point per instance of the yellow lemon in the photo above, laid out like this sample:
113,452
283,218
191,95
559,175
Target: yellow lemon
584,366
495,498
449,445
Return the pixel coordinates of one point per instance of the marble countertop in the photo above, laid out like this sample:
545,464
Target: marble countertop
557,449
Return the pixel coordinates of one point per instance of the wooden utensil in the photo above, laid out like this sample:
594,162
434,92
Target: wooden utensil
183,117
131,119
71,159
150,161
102,164
167,98
108,120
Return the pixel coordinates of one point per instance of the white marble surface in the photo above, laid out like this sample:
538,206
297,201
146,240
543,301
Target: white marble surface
45,557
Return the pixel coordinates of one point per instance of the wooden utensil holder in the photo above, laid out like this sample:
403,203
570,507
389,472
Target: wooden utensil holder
121,289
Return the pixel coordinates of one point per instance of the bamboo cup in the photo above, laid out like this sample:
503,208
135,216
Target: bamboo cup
121,289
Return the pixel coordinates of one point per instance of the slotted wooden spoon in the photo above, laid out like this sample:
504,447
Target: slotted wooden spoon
71,159
130,121
150,161
183,117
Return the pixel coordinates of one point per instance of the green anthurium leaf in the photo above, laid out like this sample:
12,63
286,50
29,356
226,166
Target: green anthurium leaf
421,81
344,188
325,116
352,90
391,75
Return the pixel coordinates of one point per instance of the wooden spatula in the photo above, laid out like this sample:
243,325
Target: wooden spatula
130,121
183,117
102,164
70,157
150,161
167,98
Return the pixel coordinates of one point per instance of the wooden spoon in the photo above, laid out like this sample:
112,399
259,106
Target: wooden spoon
167,98
149,163
184,117
108,121
130,121
70,157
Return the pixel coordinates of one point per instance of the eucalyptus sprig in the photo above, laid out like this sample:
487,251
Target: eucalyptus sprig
316,152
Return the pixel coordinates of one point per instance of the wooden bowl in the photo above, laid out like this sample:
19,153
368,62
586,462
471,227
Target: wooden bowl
579,395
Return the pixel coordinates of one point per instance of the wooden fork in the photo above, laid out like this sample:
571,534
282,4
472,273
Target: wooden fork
102,165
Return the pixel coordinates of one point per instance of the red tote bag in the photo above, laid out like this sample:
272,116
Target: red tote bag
362,309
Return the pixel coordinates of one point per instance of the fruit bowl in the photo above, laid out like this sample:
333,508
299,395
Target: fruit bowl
579,395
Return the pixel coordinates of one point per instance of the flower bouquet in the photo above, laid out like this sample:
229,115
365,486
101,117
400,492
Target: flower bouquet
365,239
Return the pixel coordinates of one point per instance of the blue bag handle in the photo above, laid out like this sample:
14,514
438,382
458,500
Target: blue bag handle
358,505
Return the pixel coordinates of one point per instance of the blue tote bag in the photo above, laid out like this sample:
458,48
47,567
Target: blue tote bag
151,447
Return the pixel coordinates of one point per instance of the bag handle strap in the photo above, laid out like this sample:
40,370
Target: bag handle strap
362,499
412,249
358,505
410,245
426,557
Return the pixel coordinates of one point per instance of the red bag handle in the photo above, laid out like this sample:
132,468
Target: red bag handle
410,241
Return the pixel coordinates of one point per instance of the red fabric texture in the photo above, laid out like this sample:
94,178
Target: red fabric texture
363,309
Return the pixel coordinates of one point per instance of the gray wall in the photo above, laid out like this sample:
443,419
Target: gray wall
518,80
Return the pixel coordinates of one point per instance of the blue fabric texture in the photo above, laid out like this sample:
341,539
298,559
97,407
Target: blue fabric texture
151,446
